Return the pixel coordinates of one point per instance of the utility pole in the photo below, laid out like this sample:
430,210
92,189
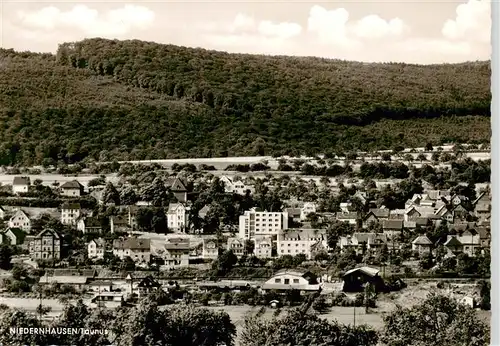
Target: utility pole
354,315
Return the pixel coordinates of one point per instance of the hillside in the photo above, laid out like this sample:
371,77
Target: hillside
106,99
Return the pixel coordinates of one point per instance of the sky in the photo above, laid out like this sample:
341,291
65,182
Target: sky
422,32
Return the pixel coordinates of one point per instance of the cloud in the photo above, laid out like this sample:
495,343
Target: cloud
283,30
243,22
88,21
374,27
472,22
329,26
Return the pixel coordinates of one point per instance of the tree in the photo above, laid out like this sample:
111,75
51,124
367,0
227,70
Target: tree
298,329
111,194
6,254
320,305
429,147
249,246
225,262
421,157
437,321
127,264
14,318
485,293
128,196
145,324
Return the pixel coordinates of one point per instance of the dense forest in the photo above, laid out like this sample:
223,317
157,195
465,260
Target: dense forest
107,99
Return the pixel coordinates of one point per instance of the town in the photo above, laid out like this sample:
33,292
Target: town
249,234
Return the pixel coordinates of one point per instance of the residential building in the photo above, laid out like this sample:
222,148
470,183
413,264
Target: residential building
21,220
21,185
453,245
96,249
71,189
471,241
255,222
263,247
210,249
46,246
176,253
376,215
392,228
308,208
421,244
139,250
351,217
146,286
361,242
177,217
70,213
354,280
286,280
237,245
179,188
235,186
12,236
119,223
299,242
89,225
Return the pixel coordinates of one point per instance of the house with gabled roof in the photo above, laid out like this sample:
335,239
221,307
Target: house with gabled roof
376,215
147,285
138,249
392,228
96,249
422,244
87,224
21,219
12,236
263,247
71,189
177,217
235,186
179,188
453,245
286,280
236,245
471,241
295,242
210,248
363,241
21,185
176,252
46,246
412,214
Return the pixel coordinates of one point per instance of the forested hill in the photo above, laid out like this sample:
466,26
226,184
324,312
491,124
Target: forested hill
108,99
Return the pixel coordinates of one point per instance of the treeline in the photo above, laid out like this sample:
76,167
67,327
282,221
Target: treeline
102,100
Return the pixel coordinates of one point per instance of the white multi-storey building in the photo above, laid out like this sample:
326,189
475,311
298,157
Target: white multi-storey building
254,222
70,213
303,241
177,216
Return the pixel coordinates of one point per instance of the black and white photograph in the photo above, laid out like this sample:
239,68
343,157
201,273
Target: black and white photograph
246,173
